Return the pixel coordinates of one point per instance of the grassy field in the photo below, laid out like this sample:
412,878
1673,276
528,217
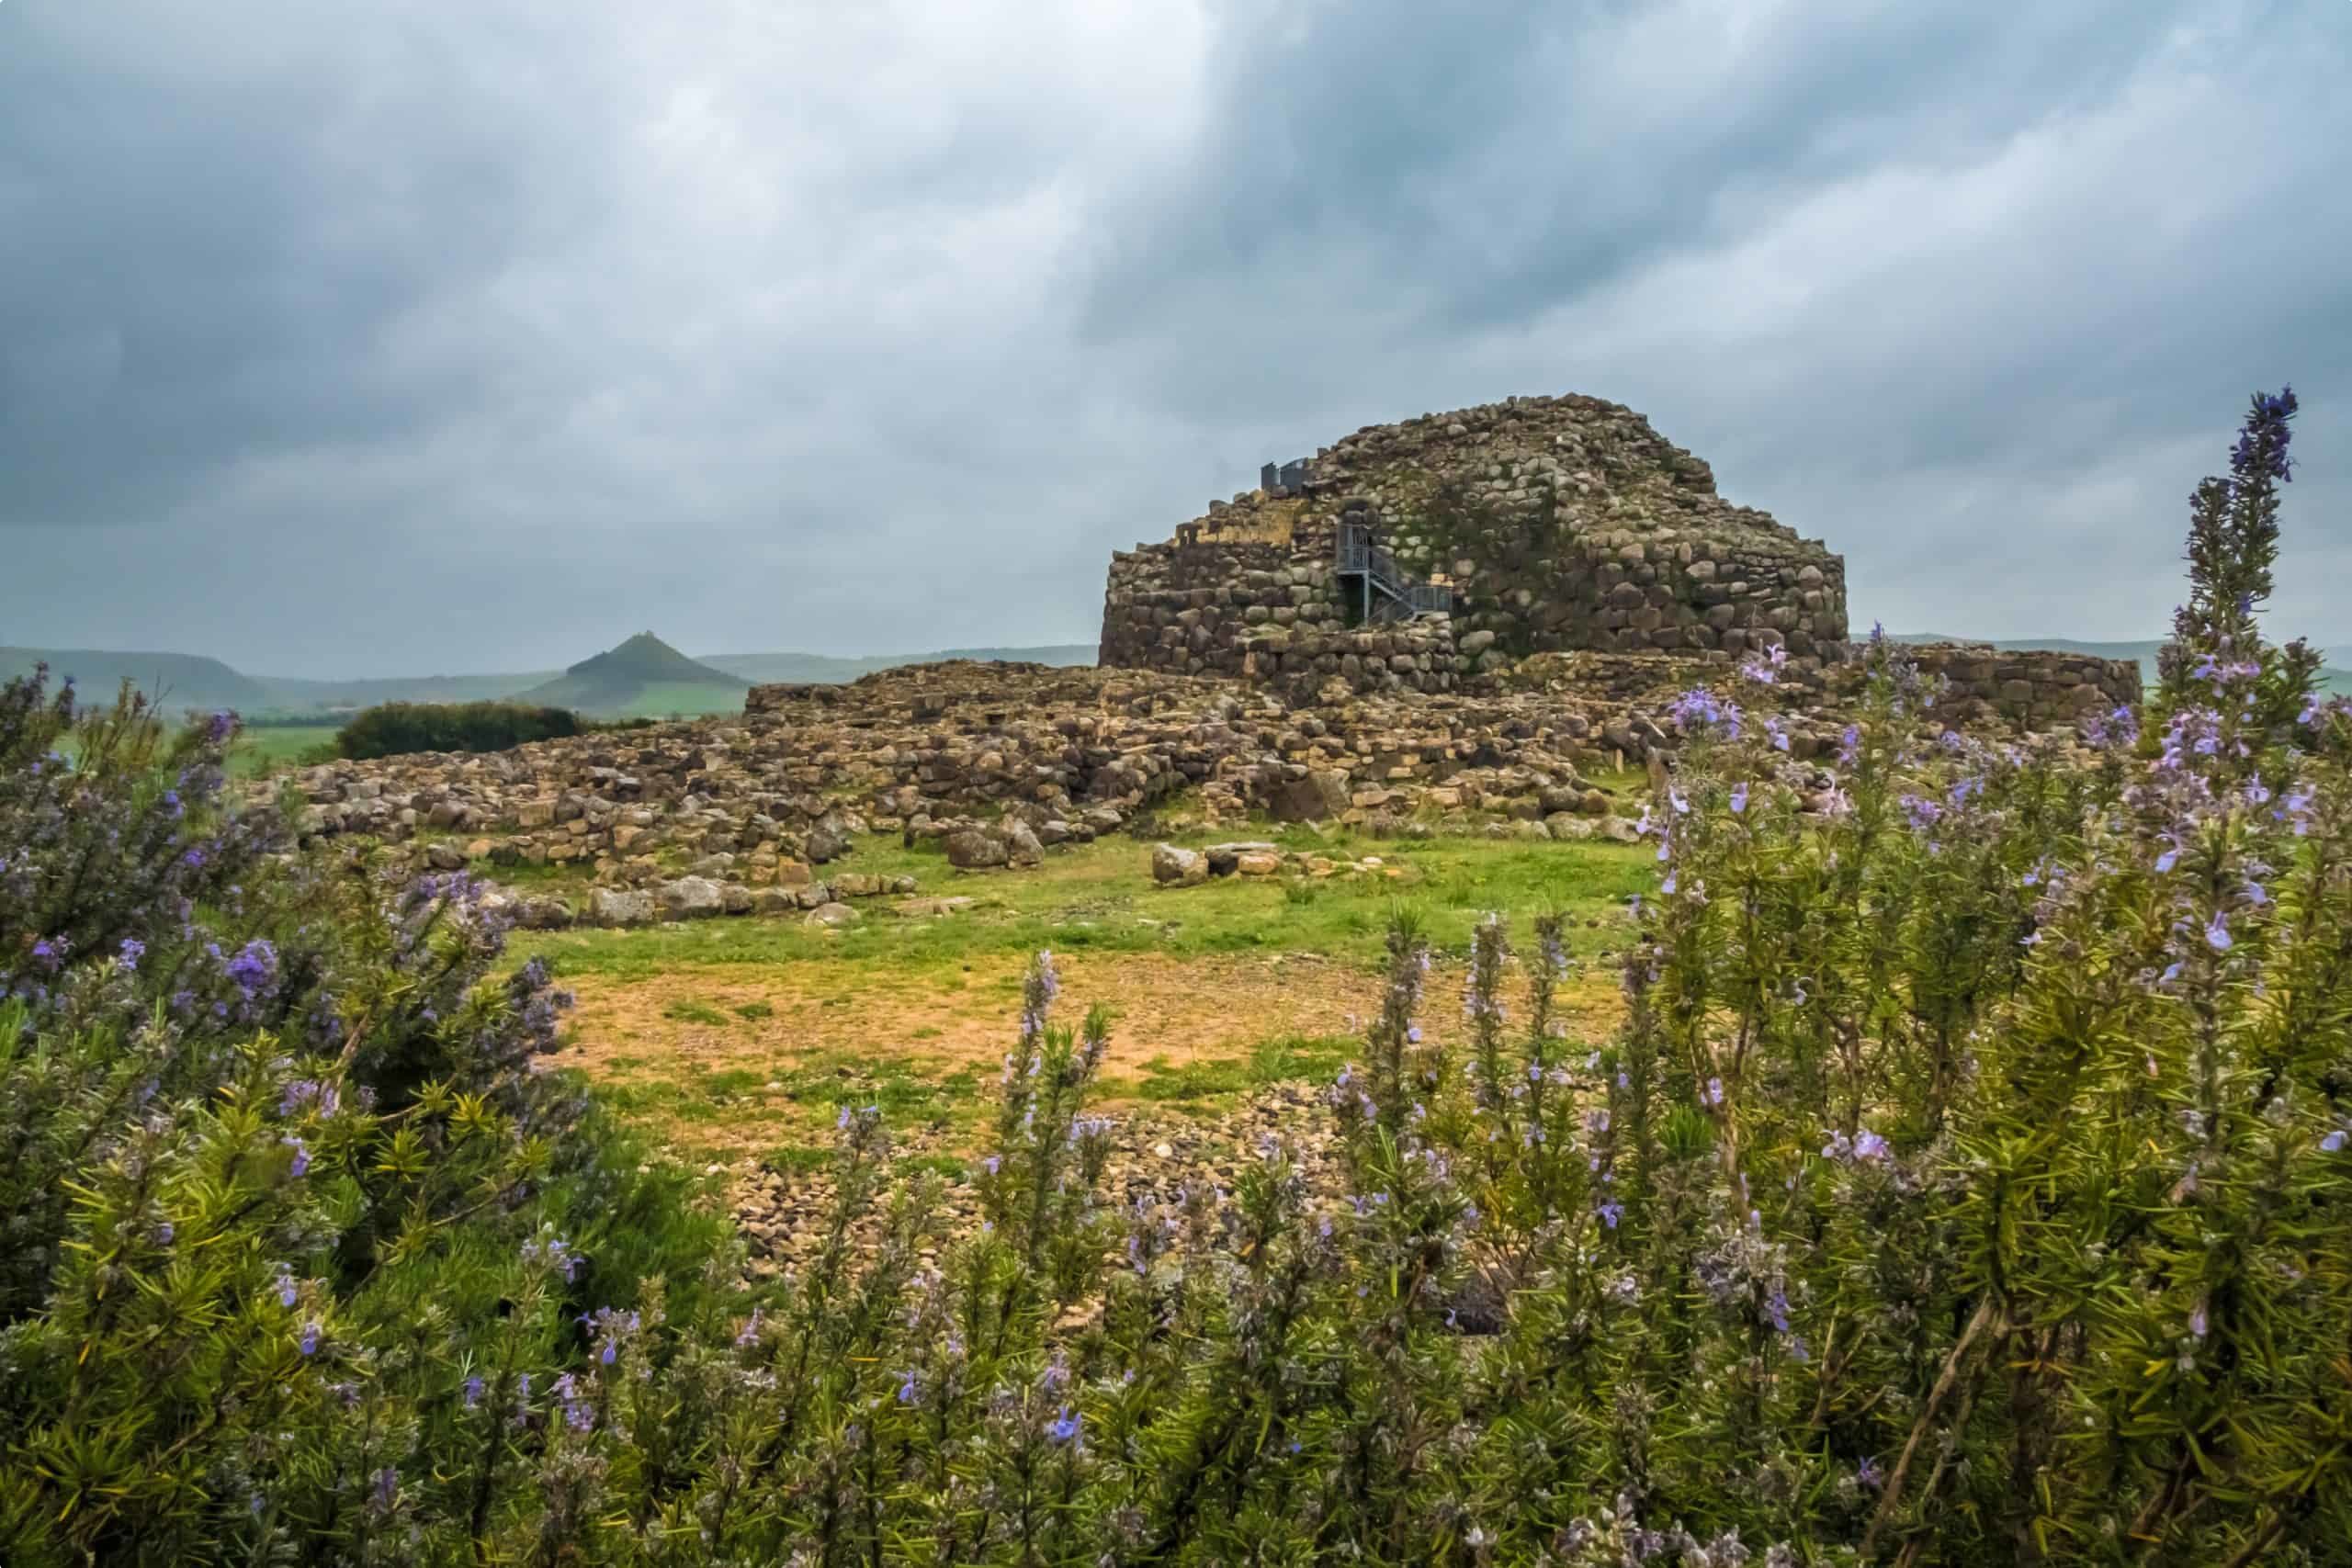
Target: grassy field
261,747
736,1039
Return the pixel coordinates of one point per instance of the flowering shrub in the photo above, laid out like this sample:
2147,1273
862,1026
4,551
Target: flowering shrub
273,1142
1969,1183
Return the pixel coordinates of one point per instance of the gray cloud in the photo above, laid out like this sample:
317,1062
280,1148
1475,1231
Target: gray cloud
344,340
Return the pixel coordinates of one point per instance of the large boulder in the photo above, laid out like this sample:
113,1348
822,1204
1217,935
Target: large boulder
690,898
832,914
827,839
1173,867
1021,845
1319,797
619,906
543,914
975,849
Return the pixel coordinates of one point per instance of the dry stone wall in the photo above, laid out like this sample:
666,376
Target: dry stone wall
2033,689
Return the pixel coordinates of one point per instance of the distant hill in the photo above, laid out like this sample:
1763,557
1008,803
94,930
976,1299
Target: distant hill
176,679
762,668
643,675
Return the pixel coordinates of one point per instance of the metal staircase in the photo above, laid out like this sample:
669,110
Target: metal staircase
1388,594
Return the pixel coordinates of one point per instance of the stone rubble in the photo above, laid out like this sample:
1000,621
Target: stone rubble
995,764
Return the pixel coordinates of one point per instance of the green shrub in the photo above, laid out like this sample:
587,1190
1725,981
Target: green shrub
391,729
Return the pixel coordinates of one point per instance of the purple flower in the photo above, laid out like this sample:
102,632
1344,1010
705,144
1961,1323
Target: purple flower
1414,1034
254,968
1610,1212
907,1393
1739,797
387,1484
1065,1428
1849,745
2333,1142
309,1343
2217,933
2198,1323
1714,1094
1869,1473
131,950
577,1413
301,1156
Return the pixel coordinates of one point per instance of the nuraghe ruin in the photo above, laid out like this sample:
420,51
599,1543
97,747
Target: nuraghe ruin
1442,624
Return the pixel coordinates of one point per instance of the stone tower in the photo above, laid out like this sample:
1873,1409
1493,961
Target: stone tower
1550,523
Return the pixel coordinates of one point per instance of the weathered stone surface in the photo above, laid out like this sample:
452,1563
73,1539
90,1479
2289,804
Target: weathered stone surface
827,840
689,898
832,914
1319,797
1173,867
977,848
543,914
616,906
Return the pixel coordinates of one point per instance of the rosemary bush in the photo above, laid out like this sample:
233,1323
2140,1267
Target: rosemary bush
1969,1184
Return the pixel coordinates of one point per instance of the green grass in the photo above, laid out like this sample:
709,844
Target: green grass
1282,1060
755,1011
263,748
1099,897
797,1159
693,1012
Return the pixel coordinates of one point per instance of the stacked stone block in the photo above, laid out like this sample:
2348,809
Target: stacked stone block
2036,689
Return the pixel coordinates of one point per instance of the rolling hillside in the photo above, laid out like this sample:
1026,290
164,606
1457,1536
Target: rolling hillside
176,680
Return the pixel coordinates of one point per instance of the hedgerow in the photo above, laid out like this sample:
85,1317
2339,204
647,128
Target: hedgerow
391,729
1968,1184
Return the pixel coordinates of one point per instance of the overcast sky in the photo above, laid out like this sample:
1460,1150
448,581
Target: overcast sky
340,337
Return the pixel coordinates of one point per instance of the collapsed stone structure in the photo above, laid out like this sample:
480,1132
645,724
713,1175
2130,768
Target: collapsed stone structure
1419,554
1439,624
996,763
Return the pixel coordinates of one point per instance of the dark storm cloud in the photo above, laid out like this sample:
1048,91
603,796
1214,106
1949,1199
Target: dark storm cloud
343,339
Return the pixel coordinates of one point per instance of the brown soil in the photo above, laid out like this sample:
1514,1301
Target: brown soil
1166,1012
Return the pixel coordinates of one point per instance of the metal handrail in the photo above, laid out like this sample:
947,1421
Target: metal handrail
1359,556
